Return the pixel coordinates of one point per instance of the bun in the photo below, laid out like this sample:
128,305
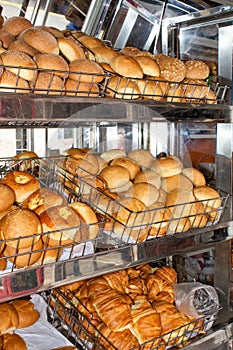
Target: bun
194,89
122,88
25,155
50,254
15,25
104,54
167,166
9,318
7,197
55,31
22,183
75,88
6,38
21,223
179,225
148,176
197,215
9,82
150,90
52,62
48,83
148,65
90,42
160,217
115,176
176,181
3,264
126,66
143,157
28,315
130,51
70,49
111,154
20,45
208,195
19,59
146,192
132,166
91,71
195,175
83,165
171,69
175,93
196,69
179,202
106,67
40,39
13,342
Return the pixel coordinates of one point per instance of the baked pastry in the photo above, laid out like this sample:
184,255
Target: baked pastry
9,318
13,341
40,39
142,156
120,340
7,197
126,66
16,24
117,280
27,313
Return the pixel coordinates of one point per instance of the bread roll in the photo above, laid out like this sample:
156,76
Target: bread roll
13,342
22,227
27,313
6,38
9,318
150,89
53,30
22,183
40,39
91,72
126,66
179,225
7,197
171,69
196,69
104,54
90,42
146,192
20,45
130,51
19,59
159,220
85,165
132,166
180,202
10,82
16,24
175,93
211,98
195,175
148,176
70,49
49,255
142,156
197,216
194,89
167,166
55,63
148,65
122,88
75,88
111,154
48,83
176,181
208,195
115,176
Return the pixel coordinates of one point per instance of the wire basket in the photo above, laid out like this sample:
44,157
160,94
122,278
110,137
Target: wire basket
52,246
130,226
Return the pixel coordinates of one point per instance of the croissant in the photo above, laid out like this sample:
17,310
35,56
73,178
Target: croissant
154,286
167,294
97,284
121,340
117,280
144,270
136,286
166,273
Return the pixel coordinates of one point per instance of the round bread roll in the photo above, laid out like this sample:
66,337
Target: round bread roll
4,212
3,265
126,66
175,93
211,98
147,193
130,51
27,313
106,67
167,166
196,69
7,197
13,341
88,216
48,83
24,257
179,225
20,45
197,215
91,72
194,89
195,175
132,166
115,176
148,65
176,181
150,90
83,165
75,88
9,318
164,85
104,54
16,24
180,202
111,154
53,62
62,224
122,88
171,69
40,39
20,59
22,183
9,82
70,49
6,38
160,218
148,176
53,30
21,227
125,190
105,201
143,157
90,42
208,195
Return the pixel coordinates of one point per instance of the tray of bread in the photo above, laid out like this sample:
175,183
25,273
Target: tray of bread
48,61
128,309
141,196
41,220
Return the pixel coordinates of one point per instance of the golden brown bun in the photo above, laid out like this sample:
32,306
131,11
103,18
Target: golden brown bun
3,213
167,166
75,88
15,25
82,164
7,197
179,225
115,176
6,38
52,62
106,67
13,342
148,176
65,221
21,223
195,175
88,216
25,155
104,54
143,157
28,315
70,49
171,69
24,257
208,195
164,85
126,66
148,65
150,90
160,217
20,45
40,39
211,98
130,51
9,318
91,71
3,262
129,164
122,88
89,41
48,83
22,183
194,89
53,30
197,215
20,59
175,93
9,82
176,181
50,254
111,154
42,199
129,212
146,192
180,202
196,69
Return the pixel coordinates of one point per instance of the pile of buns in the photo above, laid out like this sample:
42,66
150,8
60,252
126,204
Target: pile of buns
143,196
130,307
37,223
14,315
46,60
